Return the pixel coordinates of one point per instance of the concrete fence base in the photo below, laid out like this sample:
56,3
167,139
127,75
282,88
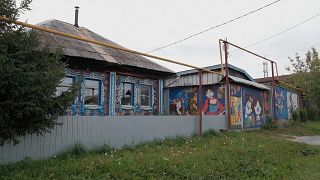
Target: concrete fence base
95,131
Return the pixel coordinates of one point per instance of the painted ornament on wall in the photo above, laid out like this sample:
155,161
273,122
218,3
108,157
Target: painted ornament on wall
281,103
213,100
253,104
235,90
292,99
183,101
236,113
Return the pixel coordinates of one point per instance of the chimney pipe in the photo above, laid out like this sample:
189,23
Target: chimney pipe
76,17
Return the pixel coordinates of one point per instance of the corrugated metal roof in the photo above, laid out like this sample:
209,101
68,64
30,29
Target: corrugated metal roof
246,82
216,67
269,79
77,48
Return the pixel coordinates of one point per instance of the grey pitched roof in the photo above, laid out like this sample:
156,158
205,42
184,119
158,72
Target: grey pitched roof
246,82
77,48
269,79
216,67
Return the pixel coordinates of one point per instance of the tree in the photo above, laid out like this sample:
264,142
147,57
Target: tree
306,75
29,75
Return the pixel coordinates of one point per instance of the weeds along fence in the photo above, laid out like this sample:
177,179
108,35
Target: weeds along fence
95,131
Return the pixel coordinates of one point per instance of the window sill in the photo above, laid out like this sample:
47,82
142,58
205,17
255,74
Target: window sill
146,107
92,106
126,107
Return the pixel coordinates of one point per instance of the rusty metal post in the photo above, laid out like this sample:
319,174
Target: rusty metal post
221,59
227,83
274,94
200,103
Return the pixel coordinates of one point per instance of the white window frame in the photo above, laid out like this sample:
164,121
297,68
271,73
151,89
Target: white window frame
131,106
93,106
150,96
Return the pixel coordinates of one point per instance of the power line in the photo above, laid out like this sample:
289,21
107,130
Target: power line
214,27
281,32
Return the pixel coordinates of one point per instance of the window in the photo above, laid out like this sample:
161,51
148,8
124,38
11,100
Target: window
127,94
64,85
92,89
145,95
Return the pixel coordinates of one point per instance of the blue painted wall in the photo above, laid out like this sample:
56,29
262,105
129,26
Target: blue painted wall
281,103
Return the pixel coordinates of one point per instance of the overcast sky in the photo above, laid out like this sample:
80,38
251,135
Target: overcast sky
144,25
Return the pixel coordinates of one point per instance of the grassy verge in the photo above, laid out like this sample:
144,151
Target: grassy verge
255,155
300,129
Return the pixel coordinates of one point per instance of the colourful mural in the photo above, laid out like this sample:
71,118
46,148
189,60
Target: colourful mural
292,102
281,103
267,106
183,101
213,98
236,113
236,110
253,111
235,90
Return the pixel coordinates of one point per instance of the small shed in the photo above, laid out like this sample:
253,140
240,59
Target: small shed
249,101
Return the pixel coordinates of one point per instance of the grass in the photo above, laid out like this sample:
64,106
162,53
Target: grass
300,129
231,155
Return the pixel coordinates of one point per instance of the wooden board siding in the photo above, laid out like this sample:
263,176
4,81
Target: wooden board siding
192,80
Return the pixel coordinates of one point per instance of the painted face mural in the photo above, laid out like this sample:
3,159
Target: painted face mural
221,94
183,101
213,103
235,90
281,103
253,103
178,106
292,100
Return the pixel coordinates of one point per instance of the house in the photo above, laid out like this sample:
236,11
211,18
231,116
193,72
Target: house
287,99
249,101
113,82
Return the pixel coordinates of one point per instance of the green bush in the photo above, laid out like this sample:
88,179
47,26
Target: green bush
313,113
303,114
270,124
295,115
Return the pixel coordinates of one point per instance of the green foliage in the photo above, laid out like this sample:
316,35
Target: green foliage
75,150
297,128
309,151
270,124
303,114
248,155
310,113
29,75
306,73
104,149
313,113
295,115
210,133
